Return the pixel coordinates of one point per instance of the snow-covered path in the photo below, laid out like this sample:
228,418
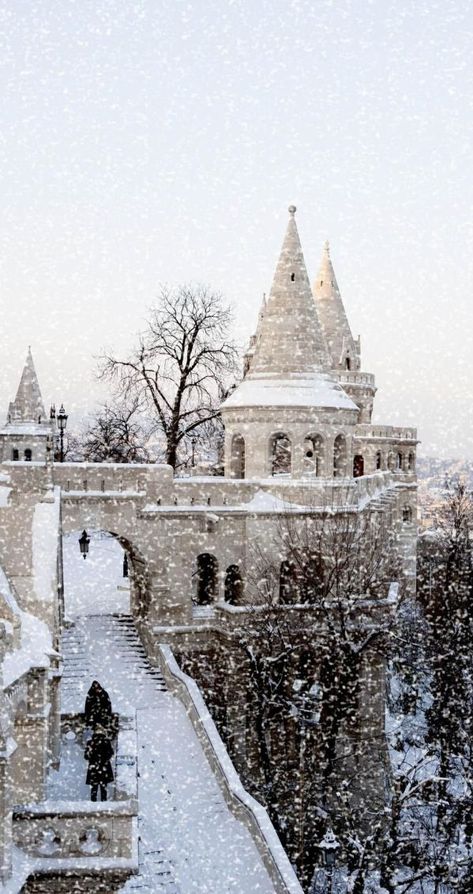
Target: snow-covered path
190,843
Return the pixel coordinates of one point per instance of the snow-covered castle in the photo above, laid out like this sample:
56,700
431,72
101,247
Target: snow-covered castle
299,440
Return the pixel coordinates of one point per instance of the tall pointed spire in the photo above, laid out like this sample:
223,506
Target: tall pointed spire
289,364
343,349
28,404
290,339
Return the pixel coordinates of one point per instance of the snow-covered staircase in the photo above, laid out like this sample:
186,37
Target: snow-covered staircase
189,841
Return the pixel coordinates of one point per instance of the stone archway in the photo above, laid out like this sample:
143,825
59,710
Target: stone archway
96,584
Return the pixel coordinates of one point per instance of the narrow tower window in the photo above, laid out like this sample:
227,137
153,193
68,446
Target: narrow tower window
293,276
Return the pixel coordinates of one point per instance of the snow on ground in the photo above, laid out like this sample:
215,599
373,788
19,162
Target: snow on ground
185,825
94,585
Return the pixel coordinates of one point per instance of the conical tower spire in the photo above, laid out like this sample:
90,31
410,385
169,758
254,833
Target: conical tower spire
28,404
343,349
290,340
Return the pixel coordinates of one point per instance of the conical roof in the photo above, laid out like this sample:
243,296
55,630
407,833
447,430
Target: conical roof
333,319
290,365
290,339
28,404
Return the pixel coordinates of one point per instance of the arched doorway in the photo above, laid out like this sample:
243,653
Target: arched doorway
207,579
112,579
238,456
313,455
233,585
280,454
288,589
340,457
358,466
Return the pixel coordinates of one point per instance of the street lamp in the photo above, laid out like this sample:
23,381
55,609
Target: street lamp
329,847
84,541
193,443
61,420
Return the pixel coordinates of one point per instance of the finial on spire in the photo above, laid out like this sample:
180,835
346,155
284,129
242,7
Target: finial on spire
327,247
292,209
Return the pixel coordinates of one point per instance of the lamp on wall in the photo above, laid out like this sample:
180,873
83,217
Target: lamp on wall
84,541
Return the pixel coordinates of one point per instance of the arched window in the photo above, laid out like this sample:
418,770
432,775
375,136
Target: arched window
28,455
287,583
280,454
399,461
340,456
207,579
411,462
378,460
407,514
15,454
293,277
233,585
358,466
391,462
313,455
347,363
238,457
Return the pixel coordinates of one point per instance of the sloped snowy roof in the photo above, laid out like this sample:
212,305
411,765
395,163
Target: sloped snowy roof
317,390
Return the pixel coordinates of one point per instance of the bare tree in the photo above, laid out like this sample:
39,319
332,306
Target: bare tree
180,365
116,435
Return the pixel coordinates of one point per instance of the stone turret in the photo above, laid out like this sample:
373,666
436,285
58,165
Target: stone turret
286,414
27,433
344,350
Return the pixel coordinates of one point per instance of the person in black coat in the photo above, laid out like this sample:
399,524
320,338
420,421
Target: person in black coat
98,753
98,707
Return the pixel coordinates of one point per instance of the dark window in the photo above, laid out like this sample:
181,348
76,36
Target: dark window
233,585
28,455
358,466
207,581
293,276
15,455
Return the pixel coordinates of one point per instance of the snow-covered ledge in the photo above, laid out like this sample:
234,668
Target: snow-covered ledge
243,805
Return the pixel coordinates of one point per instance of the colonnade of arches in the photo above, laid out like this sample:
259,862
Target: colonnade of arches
316,457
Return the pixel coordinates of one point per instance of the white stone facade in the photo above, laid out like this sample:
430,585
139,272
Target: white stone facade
298,438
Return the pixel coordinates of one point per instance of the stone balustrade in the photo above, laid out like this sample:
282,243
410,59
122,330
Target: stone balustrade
78,836
243,805
386,432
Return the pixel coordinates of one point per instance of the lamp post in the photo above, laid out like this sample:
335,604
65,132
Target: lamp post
61,420
193,442
84,541
329,845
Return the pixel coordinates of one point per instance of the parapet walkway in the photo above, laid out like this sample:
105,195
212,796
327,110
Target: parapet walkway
190,843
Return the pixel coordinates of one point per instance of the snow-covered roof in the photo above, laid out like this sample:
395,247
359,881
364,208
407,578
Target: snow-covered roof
316,390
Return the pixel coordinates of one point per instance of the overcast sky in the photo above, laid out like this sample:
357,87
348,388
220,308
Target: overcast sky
144,142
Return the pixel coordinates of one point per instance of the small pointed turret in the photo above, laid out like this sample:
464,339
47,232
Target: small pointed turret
343,349
28,404
290,339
